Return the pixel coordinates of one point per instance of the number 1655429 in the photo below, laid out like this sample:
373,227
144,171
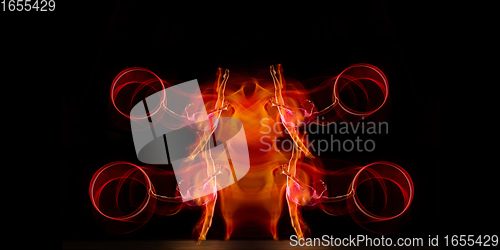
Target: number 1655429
28,5
471,240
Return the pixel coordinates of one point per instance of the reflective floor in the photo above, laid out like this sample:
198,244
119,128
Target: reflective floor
180,244
209,244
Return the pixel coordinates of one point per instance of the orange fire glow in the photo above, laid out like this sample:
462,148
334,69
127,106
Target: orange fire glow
278,179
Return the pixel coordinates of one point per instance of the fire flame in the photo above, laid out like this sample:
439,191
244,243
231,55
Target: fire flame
262,101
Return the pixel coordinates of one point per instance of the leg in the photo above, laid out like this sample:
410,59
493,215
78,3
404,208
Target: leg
293,208
294,211
208,213
209,207
229,221
275,208
229,229
225,197
275,215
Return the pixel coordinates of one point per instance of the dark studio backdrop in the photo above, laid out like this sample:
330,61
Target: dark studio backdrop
181,43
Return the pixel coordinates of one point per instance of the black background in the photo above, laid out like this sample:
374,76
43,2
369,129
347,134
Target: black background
187,42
